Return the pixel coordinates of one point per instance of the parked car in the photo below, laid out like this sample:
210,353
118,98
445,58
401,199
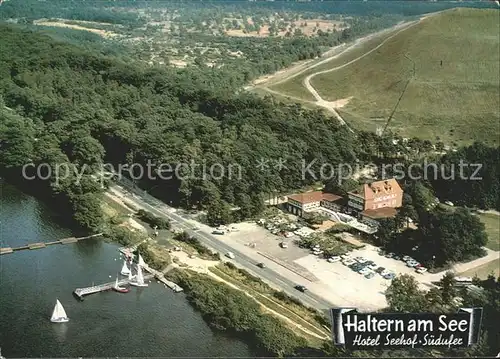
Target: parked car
421,270
406,258
333,259
317,253
230,255
345,256
369,263
300,288
261,265
218,231
396,258
283,245
381,252
348,262
364,271
370,275
390,276
380,270
361,260
389,255
373,266
385,272
412,264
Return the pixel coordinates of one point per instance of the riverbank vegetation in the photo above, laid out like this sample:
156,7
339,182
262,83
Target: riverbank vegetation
154,221
225,308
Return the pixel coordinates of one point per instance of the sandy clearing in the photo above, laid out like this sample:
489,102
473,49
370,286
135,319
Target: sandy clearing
340,103
178,63
103,33
136,225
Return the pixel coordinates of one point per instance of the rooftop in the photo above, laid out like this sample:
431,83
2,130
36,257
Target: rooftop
330,197
378,188
316,196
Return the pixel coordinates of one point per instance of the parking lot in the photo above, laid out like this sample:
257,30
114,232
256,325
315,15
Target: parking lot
342,285
335,282
264,241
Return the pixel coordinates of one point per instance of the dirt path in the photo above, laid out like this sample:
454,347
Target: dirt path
330,105
296,70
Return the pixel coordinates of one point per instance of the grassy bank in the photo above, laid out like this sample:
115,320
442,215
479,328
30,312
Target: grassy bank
492,225
295,86
228,309
312,323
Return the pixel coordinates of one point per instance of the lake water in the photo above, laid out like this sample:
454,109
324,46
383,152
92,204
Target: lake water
145,322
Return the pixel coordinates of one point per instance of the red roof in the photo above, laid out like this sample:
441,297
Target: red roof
316,196
330,197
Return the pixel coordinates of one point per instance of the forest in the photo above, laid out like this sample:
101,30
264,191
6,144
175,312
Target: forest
64,104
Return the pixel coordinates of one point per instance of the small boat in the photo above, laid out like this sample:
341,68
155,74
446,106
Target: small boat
140,261
125,270
59,314
119,289
139,280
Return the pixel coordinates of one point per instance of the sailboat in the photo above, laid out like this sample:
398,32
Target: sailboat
59,314
125,269
119,289
140,261
139,280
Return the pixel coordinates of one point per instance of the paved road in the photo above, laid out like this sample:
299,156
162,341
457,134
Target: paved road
241,260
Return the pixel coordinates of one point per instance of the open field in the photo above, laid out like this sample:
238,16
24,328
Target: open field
442,99
492,223
294,85
101,32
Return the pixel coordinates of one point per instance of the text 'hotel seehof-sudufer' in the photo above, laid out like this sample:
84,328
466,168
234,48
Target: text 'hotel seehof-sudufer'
405,330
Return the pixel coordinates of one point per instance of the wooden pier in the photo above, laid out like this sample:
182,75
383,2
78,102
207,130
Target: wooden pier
39,245
81,292
157,274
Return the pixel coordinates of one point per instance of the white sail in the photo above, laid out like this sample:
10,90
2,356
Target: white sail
116,283
141,261
59,314
140,278
130,275
125,270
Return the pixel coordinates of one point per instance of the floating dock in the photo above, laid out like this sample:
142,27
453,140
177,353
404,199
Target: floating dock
39,245
81,292
157,274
